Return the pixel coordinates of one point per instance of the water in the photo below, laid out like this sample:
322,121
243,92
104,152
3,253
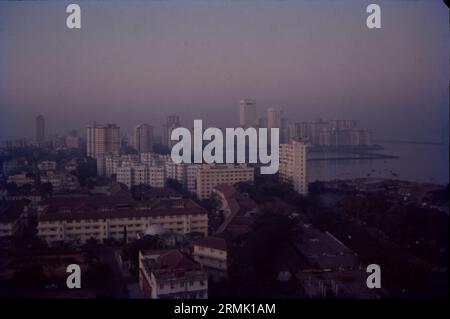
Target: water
424,163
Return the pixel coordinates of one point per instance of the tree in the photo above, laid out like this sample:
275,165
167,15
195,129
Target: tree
86,170
174,184
46,188
11,188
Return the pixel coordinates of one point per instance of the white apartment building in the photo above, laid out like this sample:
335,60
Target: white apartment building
124,175
293,165
150,169
78,219
211,175
171,275
156,176
102,140
140,174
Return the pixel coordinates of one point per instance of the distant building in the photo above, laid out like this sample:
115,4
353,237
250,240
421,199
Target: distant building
21,179
247,113
211,175
102,140
293,165
40,129
72,141
335,133
171,275
47,166
273,118
60,181
143,138
173,121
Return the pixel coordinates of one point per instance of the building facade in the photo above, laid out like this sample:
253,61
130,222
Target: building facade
211,175
143,138
76,220
247,113
293,165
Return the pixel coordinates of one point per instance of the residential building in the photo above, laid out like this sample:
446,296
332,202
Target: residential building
102,140
211,175
119,217
173,121
247,113
293,165
171,275
211,252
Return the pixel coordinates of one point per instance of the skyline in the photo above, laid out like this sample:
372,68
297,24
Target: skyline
198,59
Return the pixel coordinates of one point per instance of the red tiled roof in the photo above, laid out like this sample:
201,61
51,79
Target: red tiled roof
103,207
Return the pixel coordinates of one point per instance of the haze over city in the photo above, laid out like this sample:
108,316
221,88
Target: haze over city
137,63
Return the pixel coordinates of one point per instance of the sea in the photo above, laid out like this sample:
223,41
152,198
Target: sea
416,162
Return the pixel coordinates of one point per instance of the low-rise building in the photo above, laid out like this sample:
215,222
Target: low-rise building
171,275
211,252
78,219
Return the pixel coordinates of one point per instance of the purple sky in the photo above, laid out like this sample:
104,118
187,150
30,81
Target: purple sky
136,61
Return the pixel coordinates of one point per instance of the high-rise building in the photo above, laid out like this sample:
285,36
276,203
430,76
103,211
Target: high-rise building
293,165
247,113
273,118
143,138
102,140
40,129
173,121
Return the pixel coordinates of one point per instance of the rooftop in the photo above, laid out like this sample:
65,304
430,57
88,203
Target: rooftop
103,206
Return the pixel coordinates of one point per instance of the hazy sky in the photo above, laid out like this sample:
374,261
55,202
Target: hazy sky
138,61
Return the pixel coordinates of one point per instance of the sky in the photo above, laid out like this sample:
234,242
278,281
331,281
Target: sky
136,62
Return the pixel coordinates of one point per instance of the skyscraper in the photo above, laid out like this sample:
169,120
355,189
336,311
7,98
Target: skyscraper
173,121
143,138
102,140
247,113
273,118
293,165
40,129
